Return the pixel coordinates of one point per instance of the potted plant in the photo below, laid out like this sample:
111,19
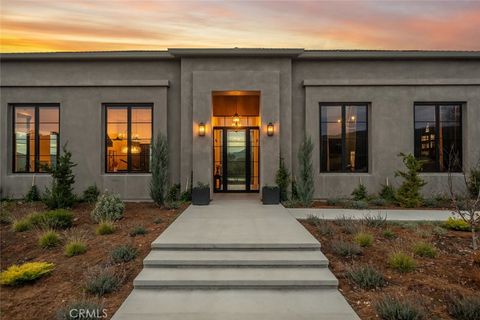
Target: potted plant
201,194
270,195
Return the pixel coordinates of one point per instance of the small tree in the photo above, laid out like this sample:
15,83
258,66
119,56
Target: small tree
360,192
408,195
466,206
282,180
61,193
305,186
159,167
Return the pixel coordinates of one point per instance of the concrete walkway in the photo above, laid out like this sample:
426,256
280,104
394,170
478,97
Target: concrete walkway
235,259
391,214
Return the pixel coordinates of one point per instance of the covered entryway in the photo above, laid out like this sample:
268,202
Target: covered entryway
236,141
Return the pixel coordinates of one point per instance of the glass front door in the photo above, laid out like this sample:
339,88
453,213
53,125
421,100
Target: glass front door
236,159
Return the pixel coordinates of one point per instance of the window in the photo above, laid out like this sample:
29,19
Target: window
438,136
35,137
343,138
128,138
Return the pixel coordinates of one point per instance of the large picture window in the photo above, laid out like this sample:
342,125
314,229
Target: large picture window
438,136
128,138
35,137
343,138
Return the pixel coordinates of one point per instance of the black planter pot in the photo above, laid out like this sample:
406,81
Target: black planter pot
270,195
200,196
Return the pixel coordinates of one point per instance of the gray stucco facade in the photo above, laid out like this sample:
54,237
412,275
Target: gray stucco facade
292,84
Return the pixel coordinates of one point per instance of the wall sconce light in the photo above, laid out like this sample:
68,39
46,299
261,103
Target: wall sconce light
201,129
270,129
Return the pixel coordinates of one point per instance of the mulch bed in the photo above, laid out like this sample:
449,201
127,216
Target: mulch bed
42,299
434,282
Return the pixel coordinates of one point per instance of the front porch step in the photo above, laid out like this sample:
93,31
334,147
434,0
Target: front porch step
233,246
230,277
165,258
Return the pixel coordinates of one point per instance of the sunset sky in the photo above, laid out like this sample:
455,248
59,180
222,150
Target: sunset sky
92,25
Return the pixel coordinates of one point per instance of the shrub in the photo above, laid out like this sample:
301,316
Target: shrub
49,239
375,221
465,308
360,193
105,227
75,244
123,253
101,280
313,220
423,249
186,196
364,239
335,202
439,231
389,234
172,205
159,167
90,195
93,310
456,224
325,229
387,193
22,225
138,230
304,184
108,207
422,232
390,308
408,195
54,219
360,204
32,194
401,261
431,203
346,249
378,202
158,221
173,194
348,224
366,277
5,216
60,194
474,181
18,274
282,179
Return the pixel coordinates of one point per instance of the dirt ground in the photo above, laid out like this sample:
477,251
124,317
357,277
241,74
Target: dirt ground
454,272
42,299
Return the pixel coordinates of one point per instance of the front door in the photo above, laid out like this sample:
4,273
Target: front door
236,159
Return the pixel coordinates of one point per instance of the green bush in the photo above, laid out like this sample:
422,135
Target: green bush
54,219
313,220
101,280
173,194
138,230
108,207
90,195
49,239
158,221
32,194
378,202
474,182
363,239
159,167
456,224
282,179
75,244
423,249
360,193
431,203
401,261
390,308
387,193
335,202
324,228
304,184
366,277
359,205
348,224
92,310
27,272
408,195
439,231
389,234
465,308
105,227
186,196
375,221
22,225
60,194
123,253
346,249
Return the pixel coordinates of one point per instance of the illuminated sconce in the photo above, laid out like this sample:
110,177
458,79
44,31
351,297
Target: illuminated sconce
201,129
236,120
270,129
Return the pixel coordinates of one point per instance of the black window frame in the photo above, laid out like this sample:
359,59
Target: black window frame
129,107
343,106
37,107
437,137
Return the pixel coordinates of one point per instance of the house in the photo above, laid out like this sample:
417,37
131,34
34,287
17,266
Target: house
230,114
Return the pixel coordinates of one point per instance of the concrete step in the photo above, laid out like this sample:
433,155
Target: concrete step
231,277
226,246
242,304
162,258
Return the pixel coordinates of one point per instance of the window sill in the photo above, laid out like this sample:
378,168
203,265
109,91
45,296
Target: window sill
345,174
123,174
436,174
